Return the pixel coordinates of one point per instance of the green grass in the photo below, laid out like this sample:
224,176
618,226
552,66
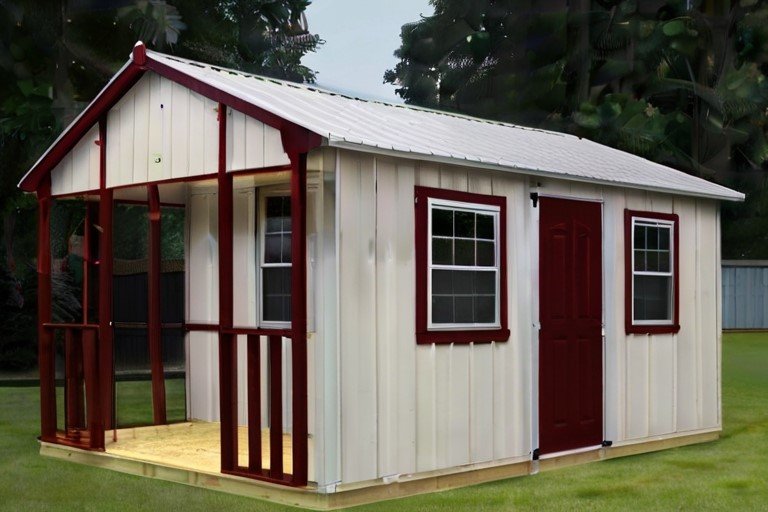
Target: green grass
729,474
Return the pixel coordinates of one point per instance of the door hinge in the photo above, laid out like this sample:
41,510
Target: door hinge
536,454
607,443
535,198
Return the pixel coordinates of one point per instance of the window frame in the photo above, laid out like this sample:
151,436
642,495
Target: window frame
261,224
632,326
427,332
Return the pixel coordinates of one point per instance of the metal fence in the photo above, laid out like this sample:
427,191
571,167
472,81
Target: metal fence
745,294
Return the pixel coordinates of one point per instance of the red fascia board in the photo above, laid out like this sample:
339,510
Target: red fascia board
109,96
303,139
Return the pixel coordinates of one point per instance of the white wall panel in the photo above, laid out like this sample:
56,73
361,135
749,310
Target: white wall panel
357,331
78,171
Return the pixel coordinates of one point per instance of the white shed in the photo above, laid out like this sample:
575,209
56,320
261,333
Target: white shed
377,299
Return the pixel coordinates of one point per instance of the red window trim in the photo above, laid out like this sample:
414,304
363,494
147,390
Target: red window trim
423,334
629,325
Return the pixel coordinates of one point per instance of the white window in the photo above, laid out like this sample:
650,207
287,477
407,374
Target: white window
653,279
275,260
463,265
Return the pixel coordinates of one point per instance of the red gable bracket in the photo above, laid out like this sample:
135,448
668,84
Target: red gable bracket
122,82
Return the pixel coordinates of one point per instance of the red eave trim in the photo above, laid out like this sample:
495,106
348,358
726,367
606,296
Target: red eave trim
302,140
107,98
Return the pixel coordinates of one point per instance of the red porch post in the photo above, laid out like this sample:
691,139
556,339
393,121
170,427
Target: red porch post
45,337
299,315
227,341
154,331
106,344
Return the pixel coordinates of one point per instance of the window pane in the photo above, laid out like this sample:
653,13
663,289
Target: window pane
485,226
485,282
286,247
485,309
464,224
639,237
664,262
442,309
652,261
463,282
274,207
640,261
442,282
664,235
463,310
653,297
276,285
486,256
465,252
442,251
442,222
274,225
272,248
652,237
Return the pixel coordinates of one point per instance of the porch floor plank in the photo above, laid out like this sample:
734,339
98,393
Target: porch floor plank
191,445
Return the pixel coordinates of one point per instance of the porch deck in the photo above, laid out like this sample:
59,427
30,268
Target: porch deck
191,445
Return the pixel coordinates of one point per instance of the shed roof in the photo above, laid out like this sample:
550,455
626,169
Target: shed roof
402,130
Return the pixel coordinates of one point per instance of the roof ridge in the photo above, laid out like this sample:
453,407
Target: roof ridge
324,90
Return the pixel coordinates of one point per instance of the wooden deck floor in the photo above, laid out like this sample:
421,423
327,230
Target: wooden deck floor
192,445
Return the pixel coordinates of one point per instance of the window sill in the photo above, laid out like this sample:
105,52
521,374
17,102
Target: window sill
465,336
653,329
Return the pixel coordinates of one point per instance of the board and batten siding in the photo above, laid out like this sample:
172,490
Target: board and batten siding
78,171
661,384
410,408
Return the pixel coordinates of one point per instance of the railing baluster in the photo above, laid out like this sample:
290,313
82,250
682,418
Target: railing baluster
254,403
276,407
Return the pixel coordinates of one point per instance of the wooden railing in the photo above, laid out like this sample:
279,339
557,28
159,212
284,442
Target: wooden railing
83,423
275,393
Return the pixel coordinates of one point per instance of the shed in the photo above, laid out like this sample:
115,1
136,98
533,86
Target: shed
369,300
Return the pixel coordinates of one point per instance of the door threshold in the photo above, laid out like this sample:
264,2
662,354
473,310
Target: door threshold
570,452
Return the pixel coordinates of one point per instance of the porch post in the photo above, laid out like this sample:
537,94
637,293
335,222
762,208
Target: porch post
154,330
105,341
299,315
45,337
227,341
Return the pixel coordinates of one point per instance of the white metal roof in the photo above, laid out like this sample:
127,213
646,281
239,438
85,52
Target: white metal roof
413,132
374,126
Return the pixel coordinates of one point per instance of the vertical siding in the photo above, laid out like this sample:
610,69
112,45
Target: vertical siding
357,331
79,170
745,296
159,119
203,307
413,408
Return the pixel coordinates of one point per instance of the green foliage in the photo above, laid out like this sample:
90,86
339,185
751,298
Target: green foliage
682,86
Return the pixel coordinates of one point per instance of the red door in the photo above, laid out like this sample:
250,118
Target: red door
570,312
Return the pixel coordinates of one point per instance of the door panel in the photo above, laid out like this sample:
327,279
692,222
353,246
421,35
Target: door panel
570,339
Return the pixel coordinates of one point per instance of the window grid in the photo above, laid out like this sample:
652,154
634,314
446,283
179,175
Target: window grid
647,279
483,234
275,261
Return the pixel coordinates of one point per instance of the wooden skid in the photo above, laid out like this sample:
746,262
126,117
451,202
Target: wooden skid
345,495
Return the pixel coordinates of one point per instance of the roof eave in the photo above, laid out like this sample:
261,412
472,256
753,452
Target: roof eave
125,78
342,144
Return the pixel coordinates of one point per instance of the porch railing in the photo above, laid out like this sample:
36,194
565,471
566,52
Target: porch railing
82,420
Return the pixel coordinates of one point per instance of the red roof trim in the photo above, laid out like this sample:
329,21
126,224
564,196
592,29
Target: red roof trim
107,98
122,82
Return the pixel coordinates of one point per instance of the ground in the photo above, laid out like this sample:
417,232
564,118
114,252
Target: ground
729,474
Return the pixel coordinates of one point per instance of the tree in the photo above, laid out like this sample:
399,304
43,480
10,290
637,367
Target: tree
55,56
679,82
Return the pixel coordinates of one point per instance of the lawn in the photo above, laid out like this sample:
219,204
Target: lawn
729,474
